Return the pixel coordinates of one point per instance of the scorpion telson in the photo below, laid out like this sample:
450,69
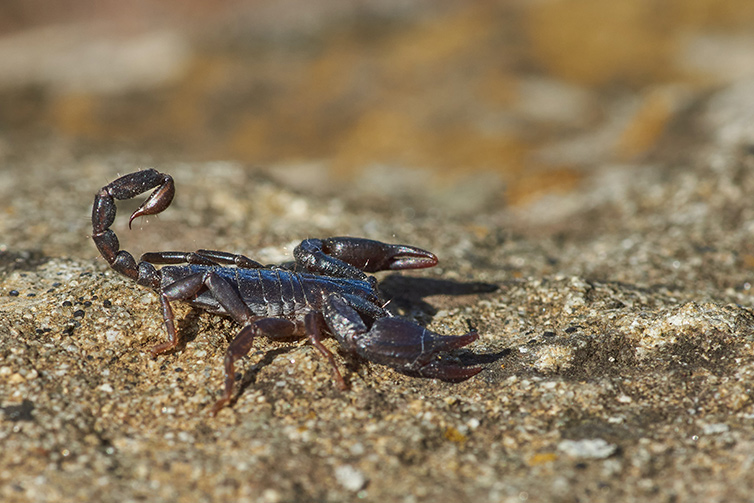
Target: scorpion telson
326,291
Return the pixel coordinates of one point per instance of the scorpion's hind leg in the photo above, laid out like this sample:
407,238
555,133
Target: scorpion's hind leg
274,328
398,343
348,257
313,323
231,301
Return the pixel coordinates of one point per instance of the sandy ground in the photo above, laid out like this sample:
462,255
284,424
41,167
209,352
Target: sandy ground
616,340
586,184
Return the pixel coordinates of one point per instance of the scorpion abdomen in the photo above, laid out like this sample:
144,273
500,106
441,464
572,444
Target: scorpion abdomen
270,292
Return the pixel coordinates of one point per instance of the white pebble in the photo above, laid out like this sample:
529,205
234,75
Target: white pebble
350,478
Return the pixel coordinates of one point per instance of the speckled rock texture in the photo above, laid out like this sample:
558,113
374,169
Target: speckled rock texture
599,236
616,339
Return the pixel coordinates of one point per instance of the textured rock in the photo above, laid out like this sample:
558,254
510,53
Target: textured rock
612,293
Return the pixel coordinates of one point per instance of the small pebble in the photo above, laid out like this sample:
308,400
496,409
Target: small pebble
587,448
350,478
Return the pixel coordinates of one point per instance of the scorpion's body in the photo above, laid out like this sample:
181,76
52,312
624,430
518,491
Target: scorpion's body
273,292
324,292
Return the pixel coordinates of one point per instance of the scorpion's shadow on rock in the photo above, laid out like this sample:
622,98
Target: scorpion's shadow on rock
407,293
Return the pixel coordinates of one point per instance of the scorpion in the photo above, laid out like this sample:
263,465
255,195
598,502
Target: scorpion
324,292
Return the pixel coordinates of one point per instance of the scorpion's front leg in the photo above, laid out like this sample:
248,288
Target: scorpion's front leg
397,343
348,257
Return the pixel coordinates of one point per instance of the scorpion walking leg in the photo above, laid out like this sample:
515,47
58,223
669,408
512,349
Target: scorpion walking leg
188,287
231,301
274,328
226,258
238,348
313,324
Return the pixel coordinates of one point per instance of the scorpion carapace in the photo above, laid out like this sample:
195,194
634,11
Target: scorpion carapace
326,291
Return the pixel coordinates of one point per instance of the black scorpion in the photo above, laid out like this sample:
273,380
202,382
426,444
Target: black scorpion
324,292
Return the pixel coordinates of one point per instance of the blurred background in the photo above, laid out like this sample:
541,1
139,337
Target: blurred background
499,101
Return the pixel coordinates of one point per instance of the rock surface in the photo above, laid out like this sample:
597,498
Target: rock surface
610,281
617,347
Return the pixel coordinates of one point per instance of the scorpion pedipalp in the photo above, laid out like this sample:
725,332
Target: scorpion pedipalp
397,342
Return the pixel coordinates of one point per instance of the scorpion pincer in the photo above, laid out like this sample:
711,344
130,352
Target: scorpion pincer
326,291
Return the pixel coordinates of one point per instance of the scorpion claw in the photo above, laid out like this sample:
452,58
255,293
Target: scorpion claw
372,256
398,343
409,257
446,371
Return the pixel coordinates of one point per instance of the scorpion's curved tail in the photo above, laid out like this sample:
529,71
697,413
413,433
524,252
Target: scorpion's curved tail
103,216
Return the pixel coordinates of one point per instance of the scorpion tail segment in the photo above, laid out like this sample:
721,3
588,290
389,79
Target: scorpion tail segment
126,187
103,215
372,256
